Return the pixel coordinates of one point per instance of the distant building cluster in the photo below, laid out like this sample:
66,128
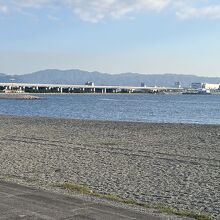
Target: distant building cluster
90,83
143,84
178,85
207,86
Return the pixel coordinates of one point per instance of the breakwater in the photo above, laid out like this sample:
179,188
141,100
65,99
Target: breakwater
18,96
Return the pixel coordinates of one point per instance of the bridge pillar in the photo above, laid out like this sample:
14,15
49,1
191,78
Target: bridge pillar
60,89
115,90
8,88
104,90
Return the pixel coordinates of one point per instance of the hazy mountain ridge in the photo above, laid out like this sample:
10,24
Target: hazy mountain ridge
75,76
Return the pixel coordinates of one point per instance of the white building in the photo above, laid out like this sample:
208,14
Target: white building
211,86
205,86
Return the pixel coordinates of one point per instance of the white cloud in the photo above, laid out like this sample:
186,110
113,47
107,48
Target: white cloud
53,18
210,12
30,3
3,8
96,10
91,10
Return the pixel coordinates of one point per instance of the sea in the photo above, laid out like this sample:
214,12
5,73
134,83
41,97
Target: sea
155,108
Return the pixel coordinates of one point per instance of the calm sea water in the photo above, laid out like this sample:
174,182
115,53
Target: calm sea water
199,109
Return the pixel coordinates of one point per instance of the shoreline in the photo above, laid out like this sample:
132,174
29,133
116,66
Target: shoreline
173,164
99,93
107,121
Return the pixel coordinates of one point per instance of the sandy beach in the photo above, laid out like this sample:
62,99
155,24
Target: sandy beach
173,164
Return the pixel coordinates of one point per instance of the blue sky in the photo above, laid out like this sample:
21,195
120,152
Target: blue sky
114,36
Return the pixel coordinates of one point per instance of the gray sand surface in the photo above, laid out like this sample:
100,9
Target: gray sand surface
173,164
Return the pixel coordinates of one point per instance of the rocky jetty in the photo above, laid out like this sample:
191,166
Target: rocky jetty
19,96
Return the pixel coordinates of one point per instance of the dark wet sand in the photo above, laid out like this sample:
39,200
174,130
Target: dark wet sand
173,164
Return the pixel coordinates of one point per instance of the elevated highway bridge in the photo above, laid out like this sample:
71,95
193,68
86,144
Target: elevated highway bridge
60,88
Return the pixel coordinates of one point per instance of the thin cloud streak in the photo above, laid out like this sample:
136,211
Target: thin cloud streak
97,10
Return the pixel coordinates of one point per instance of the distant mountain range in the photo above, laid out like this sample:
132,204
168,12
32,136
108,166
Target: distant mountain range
75,76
